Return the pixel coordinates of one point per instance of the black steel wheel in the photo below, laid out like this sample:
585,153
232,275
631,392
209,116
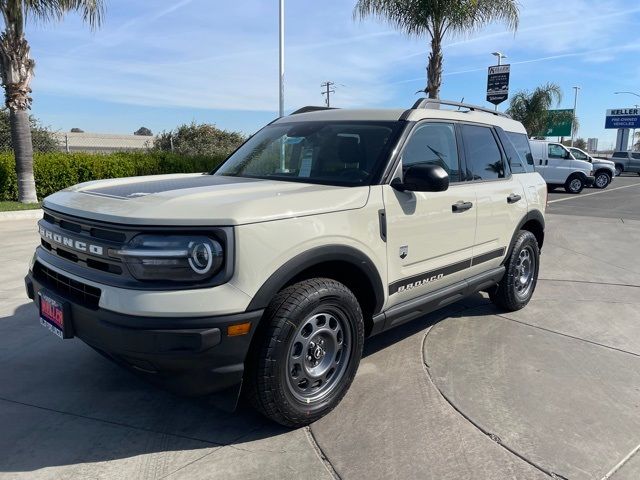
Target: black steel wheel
521,274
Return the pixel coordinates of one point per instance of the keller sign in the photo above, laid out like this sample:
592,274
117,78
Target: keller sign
498,84
623,118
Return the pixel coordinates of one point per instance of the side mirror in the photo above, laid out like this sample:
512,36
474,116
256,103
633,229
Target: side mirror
423,178
567,155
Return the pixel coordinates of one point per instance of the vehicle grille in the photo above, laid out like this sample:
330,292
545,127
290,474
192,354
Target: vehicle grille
78,292
84,232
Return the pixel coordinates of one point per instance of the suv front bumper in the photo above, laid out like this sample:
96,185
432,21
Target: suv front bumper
190,356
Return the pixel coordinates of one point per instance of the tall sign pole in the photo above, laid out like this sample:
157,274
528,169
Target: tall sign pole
281,80
573,119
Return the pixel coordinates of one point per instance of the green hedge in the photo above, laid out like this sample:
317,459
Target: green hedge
57,170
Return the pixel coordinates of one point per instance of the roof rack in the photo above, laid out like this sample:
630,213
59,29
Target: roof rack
311,108
435,103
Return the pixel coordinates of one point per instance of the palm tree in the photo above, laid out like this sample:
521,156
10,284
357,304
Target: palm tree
532,109
437,19
16,71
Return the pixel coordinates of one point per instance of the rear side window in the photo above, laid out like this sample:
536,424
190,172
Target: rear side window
636,156
483,156
524,163
434,144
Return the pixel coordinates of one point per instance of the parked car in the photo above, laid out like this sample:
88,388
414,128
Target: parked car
626,161
327,226
603,170
557,166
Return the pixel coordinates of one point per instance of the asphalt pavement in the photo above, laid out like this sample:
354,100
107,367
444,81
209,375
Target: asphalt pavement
465,393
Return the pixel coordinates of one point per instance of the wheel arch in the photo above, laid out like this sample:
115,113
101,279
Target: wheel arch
345,264
533,222
603,170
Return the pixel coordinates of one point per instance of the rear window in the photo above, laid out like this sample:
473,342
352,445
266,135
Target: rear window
525,158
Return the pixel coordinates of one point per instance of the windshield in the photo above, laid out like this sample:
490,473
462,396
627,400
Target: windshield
334,153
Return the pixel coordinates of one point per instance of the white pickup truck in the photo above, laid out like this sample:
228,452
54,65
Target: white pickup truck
558,167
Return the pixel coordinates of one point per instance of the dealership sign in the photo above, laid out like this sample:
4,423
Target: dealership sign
498,84
623,118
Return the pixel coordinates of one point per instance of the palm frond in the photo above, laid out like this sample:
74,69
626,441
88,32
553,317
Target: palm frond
92,11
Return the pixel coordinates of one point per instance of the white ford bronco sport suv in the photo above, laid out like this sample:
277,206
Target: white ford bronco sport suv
327,226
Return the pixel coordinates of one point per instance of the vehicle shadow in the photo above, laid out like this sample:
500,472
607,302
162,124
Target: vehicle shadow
62,404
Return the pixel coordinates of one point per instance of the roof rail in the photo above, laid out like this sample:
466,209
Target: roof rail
311,108
435,103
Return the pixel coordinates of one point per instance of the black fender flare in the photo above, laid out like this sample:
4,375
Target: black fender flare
314,257
581,175
535,215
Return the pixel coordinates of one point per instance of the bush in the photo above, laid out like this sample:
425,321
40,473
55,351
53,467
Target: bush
57,170
198,139
43,139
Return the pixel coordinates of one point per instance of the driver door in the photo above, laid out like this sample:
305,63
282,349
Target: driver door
429,239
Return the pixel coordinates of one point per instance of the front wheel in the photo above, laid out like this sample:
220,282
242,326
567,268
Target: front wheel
574,184
308,352
619,169
602,180
521,275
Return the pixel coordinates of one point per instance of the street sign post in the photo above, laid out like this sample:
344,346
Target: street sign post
498,84
623,118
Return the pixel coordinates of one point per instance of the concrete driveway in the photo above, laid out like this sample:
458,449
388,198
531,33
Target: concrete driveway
465,393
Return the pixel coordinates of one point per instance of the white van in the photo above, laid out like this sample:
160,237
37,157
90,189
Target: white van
559,168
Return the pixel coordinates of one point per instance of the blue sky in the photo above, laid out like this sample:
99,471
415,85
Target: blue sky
164,62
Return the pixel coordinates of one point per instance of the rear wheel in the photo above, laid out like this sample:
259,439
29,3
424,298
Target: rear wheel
521,275
602,180
574,184
309,352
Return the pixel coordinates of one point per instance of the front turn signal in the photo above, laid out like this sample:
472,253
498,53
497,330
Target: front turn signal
238,329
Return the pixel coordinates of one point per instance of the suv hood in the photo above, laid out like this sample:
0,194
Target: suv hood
197,199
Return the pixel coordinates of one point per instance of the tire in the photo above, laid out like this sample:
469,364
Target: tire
619,169
602,180
312,327
574,184
513,292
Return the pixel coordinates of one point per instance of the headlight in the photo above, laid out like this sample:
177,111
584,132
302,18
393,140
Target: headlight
172,258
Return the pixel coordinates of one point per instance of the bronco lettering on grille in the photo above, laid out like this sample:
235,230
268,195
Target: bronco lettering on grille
71,242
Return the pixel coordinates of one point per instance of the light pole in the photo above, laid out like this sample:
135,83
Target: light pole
573,120
633,132
500,56
281,42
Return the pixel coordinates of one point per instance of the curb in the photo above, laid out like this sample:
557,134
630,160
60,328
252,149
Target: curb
21,215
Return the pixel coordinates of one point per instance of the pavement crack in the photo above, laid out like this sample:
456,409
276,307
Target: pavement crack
619,465
504,317
588,282
112,422
321,455
490,435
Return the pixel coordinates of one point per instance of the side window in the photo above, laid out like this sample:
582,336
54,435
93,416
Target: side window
516,147
484,159
556,151
435,144
620,154
578,155
635,156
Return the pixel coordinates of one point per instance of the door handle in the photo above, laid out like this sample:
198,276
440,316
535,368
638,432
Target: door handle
540,162
513,198
461,207
546,162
